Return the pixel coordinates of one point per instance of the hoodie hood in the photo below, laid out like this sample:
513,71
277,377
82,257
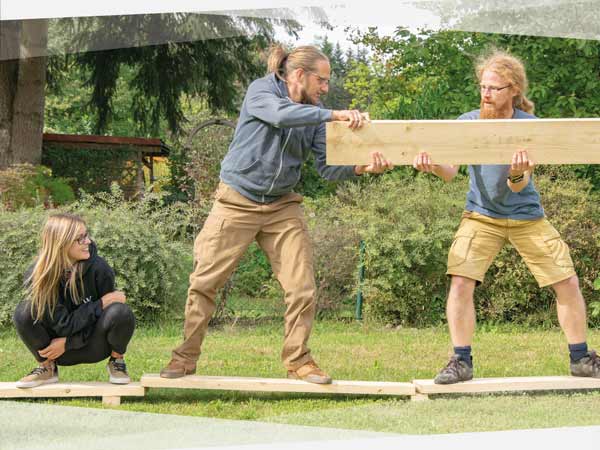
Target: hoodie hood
92,259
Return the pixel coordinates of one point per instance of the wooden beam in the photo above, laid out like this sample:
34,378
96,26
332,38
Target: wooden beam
278,385
515,384
547,141
111,393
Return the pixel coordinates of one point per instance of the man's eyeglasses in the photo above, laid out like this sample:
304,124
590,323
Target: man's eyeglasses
492,89
323,81
82,239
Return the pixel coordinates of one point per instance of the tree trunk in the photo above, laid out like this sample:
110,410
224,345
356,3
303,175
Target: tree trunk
22,90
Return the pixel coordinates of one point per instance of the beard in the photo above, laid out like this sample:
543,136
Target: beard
305,98
490,111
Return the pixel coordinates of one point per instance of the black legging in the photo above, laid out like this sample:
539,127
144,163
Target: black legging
112,332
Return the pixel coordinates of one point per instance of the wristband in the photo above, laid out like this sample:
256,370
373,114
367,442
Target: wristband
516,178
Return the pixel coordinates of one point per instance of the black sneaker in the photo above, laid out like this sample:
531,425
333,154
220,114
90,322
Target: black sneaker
456,370
117,371
588,366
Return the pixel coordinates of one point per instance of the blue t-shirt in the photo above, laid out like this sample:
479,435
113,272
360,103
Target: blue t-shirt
489,194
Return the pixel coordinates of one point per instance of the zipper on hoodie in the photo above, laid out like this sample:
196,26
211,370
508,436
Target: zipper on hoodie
280,163
282,149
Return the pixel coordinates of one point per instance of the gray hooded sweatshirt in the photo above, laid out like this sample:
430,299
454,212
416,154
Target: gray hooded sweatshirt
273,137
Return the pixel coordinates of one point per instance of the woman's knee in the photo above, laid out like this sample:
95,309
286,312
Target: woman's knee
119,314
22,318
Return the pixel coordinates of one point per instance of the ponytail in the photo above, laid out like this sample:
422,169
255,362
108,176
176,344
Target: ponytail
281,62
277,61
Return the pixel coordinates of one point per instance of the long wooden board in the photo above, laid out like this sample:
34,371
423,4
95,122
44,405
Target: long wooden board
514,384
278,385
547,141
110,393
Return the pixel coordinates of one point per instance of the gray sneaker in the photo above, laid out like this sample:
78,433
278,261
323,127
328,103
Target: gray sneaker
117,371
38,376
588,366
456,370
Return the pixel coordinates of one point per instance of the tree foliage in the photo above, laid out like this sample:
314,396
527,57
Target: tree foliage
159,76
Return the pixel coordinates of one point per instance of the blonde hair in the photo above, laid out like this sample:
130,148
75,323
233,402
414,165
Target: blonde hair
53,264
281,61
511,69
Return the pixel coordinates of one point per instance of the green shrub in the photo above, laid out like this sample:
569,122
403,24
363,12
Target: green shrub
408,224
151,267
336,250
25,185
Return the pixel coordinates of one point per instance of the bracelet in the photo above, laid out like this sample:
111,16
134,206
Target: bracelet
516,178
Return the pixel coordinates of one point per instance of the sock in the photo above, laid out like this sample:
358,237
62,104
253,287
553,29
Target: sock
465,354
578,351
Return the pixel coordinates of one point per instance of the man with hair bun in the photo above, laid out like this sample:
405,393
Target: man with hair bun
504,206
282,121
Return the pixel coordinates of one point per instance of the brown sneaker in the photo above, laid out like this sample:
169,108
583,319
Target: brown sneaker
588,366
117,371
38,376
310,372
178,369
455,371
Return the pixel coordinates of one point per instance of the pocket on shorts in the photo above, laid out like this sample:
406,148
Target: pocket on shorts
558,249
460,248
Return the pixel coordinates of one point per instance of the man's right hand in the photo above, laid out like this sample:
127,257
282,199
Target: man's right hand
113,297
354,116
423,163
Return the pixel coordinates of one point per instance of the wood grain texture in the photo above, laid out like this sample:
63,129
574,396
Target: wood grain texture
515,384
278,385
547,141
93,389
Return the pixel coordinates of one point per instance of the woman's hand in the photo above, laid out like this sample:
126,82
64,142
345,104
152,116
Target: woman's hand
113,297
55,349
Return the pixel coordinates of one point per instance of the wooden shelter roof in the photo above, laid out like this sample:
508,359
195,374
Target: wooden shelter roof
148,146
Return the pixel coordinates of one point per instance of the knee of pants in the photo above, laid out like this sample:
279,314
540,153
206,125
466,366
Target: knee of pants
119,314
304,302
22,316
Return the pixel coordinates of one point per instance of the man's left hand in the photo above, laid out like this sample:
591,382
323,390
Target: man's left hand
55,349
520,163
378,165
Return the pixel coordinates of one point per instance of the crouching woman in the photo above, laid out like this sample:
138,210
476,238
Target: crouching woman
72,313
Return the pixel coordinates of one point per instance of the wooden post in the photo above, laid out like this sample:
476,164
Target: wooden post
152,179
419,397
109,400
140,186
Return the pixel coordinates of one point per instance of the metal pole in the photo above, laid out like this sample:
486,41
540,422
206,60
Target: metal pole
361,278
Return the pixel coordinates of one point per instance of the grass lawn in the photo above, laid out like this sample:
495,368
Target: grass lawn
348,351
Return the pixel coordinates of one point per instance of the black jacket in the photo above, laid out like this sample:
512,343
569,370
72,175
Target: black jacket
76,321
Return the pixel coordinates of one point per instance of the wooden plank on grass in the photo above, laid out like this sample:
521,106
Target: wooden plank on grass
92,389
547,141
515,384
278,385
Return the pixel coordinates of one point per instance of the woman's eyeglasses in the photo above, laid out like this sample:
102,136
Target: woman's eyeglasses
82,239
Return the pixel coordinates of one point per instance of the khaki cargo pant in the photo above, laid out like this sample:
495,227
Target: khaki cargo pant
280,230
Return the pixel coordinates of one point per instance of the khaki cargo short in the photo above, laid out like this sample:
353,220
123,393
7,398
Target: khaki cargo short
479,239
